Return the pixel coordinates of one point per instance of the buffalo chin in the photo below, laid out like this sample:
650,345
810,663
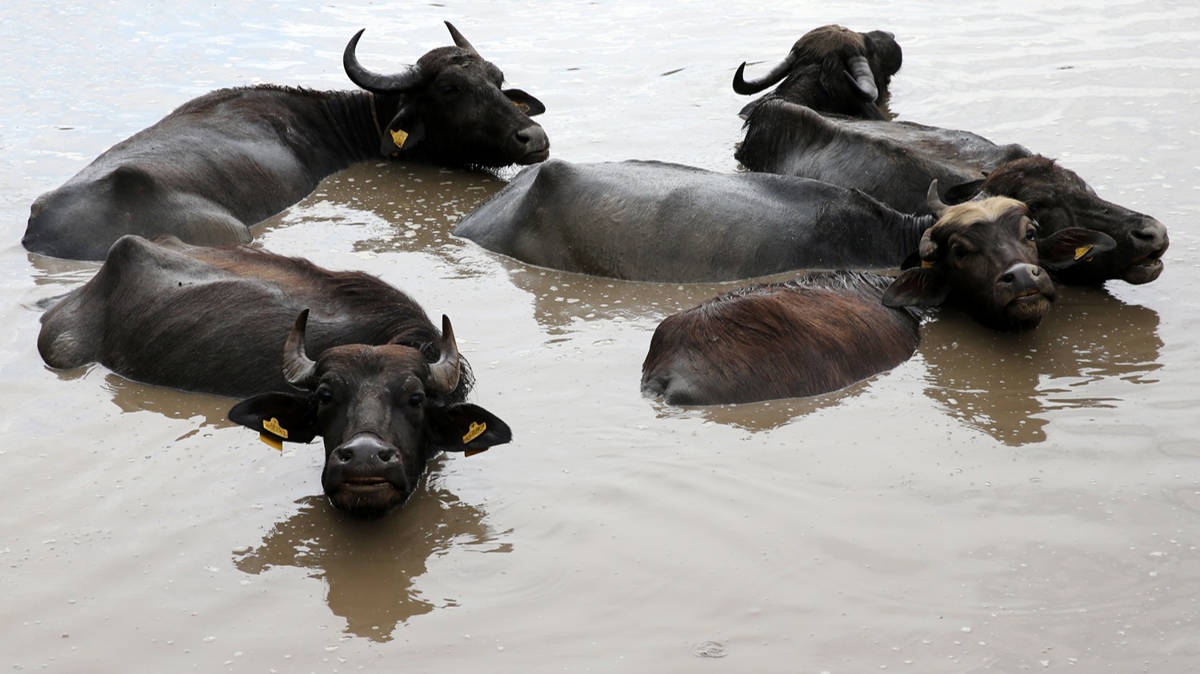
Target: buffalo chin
367,501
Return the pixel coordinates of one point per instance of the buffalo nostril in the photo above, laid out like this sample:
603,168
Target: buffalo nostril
1008,278
344,454
524,136
1036,271
387,455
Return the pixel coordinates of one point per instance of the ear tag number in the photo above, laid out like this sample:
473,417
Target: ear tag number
273,426
398,137
1081,251
474,431
271,441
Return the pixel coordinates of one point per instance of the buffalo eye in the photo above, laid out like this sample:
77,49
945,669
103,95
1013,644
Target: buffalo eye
324,394
959,251
1031,234
447,90
416,399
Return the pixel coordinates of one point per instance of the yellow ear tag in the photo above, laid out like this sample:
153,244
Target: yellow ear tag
474,431
473,452
271,441
523,107
273,426
926,264
1081,251
399,136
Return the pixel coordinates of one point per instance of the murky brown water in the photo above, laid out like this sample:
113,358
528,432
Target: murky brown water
998,503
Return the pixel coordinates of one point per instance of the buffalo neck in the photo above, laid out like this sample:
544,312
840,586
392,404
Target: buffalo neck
910,229
353,123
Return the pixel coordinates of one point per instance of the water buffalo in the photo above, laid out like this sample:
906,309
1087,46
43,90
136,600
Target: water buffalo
825,331
229,159
832,69
652,221
895,161
386,390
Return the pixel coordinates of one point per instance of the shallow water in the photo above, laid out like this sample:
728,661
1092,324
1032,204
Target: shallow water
998,503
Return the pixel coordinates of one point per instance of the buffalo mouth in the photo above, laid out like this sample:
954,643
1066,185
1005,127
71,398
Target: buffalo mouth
1029,307
535,157
1144,270
366,498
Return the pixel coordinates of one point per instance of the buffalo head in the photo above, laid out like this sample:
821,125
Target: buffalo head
449,106
832,69
1059,199
983,257
382,410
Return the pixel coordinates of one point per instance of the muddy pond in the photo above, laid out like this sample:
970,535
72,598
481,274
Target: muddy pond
998,503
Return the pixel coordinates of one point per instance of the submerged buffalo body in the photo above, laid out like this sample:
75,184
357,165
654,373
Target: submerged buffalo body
386,390
815,334
894,162
825,331
233,157
651,221
832,69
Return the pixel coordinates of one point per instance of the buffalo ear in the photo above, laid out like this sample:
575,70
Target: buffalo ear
962,193
919,287
466,427
1071,246
524,102
405,130
281,416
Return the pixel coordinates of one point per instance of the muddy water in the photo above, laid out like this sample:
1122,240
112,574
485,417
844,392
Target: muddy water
998,503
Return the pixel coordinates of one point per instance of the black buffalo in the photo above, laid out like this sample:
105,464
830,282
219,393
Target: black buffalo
832,69
825,331
652,221
386,390
895,162
233,157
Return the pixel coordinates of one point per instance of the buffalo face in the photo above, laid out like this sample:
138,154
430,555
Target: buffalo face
1059,200
983,257
382,411
450,108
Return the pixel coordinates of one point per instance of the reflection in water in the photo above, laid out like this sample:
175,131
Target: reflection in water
562,299
1003,384
369,567
133,396
404,207
766,415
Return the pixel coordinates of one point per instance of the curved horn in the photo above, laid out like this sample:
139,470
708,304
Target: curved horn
860,75
443,375
933,202
460,40
746,87
374,82
298,369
